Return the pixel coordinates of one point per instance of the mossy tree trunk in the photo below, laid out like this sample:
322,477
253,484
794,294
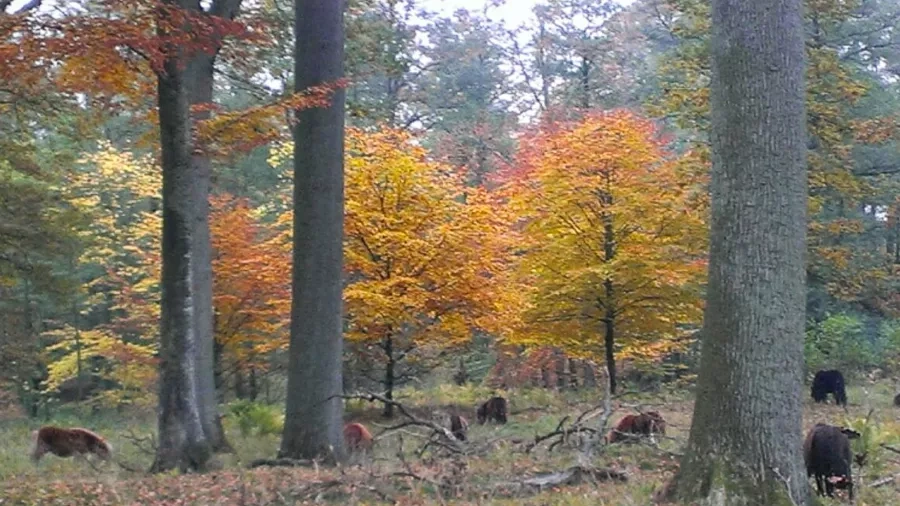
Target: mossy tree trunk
745,440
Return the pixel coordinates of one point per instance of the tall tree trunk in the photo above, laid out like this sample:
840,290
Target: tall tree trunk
314,414
183,442
199,76
389,376
559,362
590,376
609,342
745,441
573,374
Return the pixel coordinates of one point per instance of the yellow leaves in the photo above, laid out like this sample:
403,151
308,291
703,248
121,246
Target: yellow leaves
424,252
615,226
132,365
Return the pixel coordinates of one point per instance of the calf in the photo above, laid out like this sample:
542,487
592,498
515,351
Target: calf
357,437
829,382
458,427
643,424
826,452
68,442
493,409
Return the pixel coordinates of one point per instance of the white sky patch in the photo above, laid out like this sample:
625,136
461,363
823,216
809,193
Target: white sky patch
513,12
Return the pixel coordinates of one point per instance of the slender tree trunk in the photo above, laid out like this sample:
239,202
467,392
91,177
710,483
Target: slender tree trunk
253,384
560,365
183,443
199,76
590,376
609,342
314,414
573,374
389,376
745,441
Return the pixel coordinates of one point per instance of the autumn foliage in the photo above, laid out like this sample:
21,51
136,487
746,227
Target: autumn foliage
613,230
424,254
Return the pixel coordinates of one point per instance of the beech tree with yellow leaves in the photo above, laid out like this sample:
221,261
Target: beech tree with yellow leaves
614,229
424,255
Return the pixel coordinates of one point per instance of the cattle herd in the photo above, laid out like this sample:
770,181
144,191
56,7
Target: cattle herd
826,449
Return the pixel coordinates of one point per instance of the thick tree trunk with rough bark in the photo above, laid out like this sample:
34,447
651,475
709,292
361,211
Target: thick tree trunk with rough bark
314,415
189,425
745,440
183,443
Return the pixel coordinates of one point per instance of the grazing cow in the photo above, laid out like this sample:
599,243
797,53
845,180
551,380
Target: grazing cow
829,382
826,452
458,427
643,424
357,437
493,409
897,400
68,442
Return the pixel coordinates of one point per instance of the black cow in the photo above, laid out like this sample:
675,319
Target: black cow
826,452
829,382
493,409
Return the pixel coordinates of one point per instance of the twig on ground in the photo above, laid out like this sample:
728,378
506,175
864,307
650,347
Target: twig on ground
449,440
571,476
145,444
281,462
884,481
579,427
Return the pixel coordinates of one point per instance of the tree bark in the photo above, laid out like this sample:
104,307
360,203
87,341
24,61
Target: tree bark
590,376
199,76
745,441
183,443
314,412
389,378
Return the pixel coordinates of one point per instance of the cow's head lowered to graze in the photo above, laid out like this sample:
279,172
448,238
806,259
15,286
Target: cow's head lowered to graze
642,424
68,442
826,452
829,382
493,409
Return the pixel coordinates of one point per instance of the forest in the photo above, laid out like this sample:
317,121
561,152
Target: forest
228,228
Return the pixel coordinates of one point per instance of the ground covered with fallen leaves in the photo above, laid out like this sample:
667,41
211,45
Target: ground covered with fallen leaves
501,464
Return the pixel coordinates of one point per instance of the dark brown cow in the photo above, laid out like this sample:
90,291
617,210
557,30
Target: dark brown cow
493,409
826,452
68,442
643,424
459,426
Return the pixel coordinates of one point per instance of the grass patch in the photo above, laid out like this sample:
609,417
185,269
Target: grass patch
440,478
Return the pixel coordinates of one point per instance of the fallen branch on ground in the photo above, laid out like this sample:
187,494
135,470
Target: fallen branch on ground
574,475
449,441
884,481
282,462
145,444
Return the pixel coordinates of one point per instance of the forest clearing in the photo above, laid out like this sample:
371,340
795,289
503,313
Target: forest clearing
434,251
493,464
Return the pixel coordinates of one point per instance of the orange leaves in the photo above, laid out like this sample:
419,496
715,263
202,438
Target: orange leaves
614,227
252,280
228,132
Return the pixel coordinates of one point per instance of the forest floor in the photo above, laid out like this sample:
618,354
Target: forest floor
491,471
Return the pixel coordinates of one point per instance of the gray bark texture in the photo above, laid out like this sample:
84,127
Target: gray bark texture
314,412
199,75
745,440
183,443
189,425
